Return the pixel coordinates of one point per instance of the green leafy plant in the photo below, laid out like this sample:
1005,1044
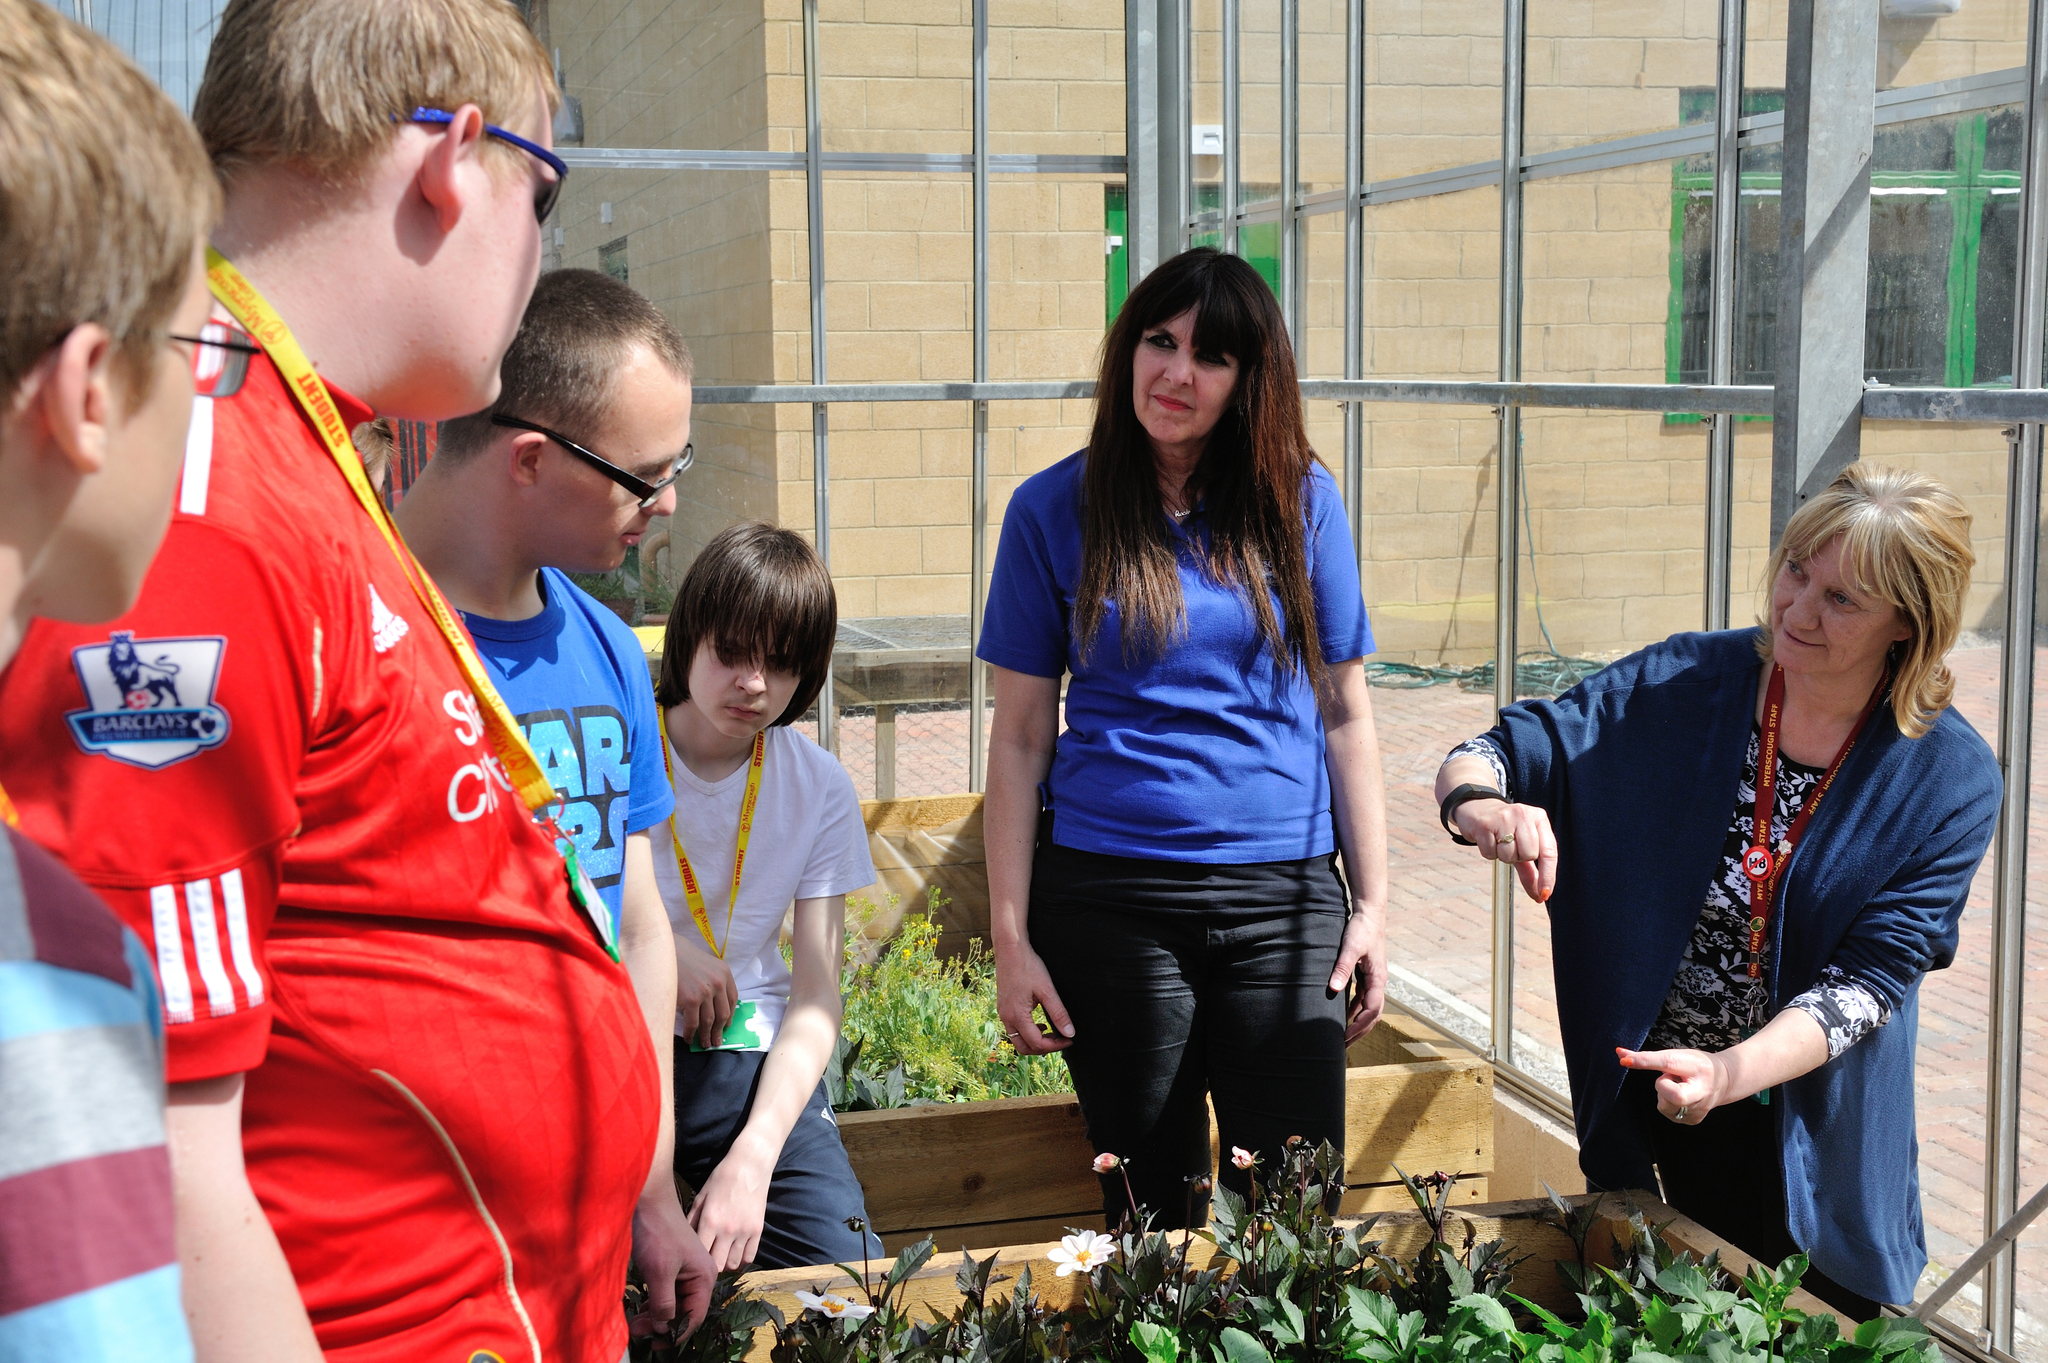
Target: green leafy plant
931,1017
1293,1285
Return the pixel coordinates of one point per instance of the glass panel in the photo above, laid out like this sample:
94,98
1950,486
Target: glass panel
899,278
1607,70
1429,579
1598,302
1433,86
1763,52
1205,104
1918,42
1431,286
900,504
889,78
166,38
1322,327
1320,104
1258,101
1056,85
1057,269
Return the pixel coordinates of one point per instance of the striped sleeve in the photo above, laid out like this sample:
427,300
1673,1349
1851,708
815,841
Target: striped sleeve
88,1265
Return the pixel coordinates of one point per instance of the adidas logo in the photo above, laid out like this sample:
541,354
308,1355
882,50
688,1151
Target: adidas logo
387,627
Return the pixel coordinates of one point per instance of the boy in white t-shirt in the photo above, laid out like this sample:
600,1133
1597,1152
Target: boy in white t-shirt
749,641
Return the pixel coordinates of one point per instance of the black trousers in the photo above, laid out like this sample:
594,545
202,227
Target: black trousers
1727,1173
813,1189
1186,982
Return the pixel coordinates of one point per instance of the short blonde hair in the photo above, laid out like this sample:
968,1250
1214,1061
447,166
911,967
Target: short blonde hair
104,193
317,84
1906,540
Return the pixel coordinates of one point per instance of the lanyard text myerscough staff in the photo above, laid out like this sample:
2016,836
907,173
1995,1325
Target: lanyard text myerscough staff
262,323
693,891
1763,864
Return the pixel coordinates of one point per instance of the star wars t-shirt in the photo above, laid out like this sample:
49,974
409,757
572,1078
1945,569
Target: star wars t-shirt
575,677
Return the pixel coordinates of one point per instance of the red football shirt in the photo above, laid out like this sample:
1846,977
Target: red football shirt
274,771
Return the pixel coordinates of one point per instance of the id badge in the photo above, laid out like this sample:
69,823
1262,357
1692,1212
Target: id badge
588,899
739,1034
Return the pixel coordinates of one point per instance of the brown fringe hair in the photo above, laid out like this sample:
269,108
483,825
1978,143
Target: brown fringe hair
1250,479
755,591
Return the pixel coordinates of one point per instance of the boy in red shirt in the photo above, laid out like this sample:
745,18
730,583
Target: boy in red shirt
407,1069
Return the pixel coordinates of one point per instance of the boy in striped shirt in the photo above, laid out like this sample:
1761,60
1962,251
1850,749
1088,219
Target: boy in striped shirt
105,202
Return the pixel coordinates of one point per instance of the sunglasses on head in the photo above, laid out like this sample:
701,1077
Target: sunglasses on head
546,192
647,493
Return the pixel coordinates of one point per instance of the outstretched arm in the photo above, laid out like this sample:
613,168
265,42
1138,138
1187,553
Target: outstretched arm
1694,1083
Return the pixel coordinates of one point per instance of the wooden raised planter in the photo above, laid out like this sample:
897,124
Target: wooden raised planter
1400,1234
1016,1170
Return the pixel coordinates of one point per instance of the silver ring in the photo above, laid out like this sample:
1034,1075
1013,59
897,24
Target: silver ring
1682,1113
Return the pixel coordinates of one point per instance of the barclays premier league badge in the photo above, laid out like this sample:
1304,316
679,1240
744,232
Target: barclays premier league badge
149,702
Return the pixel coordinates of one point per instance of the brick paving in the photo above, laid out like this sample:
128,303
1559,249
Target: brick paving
1441,945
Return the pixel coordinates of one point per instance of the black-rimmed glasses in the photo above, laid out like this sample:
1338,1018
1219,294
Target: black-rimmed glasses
647,493
547,191
220,360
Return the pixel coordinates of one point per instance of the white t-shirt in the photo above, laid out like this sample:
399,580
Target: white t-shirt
808,843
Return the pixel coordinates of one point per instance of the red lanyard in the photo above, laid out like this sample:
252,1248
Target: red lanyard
1760,863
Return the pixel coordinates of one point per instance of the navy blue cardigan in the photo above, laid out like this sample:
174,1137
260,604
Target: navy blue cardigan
1638,768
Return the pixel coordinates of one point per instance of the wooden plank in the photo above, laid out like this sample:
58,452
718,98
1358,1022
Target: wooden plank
1396,1039
891,816
994,1234
957,1164
920,843
1015,1159
1423,1116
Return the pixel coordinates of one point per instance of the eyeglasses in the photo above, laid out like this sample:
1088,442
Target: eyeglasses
221,360
647,493
547,191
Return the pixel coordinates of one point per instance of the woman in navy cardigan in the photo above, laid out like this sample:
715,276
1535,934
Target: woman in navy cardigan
1741,1011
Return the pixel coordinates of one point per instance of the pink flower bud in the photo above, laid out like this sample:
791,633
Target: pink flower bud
1106,1162
1241,1157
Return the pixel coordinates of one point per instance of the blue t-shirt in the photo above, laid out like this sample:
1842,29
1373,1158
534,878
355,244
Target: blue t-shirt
1206,753
576,679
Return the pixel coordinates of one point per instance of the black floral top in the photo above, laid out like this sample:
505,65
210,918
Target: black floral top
1713,1003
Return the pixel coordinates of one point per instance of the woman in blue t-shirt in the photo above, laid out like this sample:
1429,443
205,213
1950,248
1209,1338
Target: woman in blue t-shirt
1163,878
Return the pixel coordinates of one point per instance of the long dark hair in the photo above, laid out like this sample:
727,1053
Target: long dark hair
1249,479
756,591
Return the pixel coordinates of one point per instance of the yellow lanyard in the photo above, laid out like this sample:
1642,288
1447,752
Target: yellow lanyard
9,815
261,321
691,889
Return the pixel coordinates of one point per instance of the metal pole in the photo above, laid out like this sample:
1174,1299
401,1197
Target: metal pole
2016,707
1721,344
977,676
1291,270
821,455
1354,266
1823,248
1230,113
1507,590
1184,153
1145,174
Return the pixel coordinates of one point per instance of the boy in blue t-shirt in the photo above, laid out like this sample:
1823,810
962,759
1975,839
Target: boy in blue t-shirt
566,470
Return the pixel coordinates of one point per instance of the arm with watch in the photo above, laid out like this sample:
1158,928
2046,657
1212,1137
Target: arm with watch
1476,807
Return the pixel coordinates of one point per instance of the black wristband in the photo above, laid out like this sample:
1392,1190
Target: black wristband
1458,797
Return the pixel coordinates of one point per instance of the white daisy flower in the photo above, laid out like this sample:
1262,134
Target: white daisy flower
1083,1252
835,1306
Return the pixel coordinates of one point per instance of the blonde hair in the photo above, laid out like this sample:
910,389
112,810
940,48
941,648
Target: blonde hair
104,193
1906,540
323,85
